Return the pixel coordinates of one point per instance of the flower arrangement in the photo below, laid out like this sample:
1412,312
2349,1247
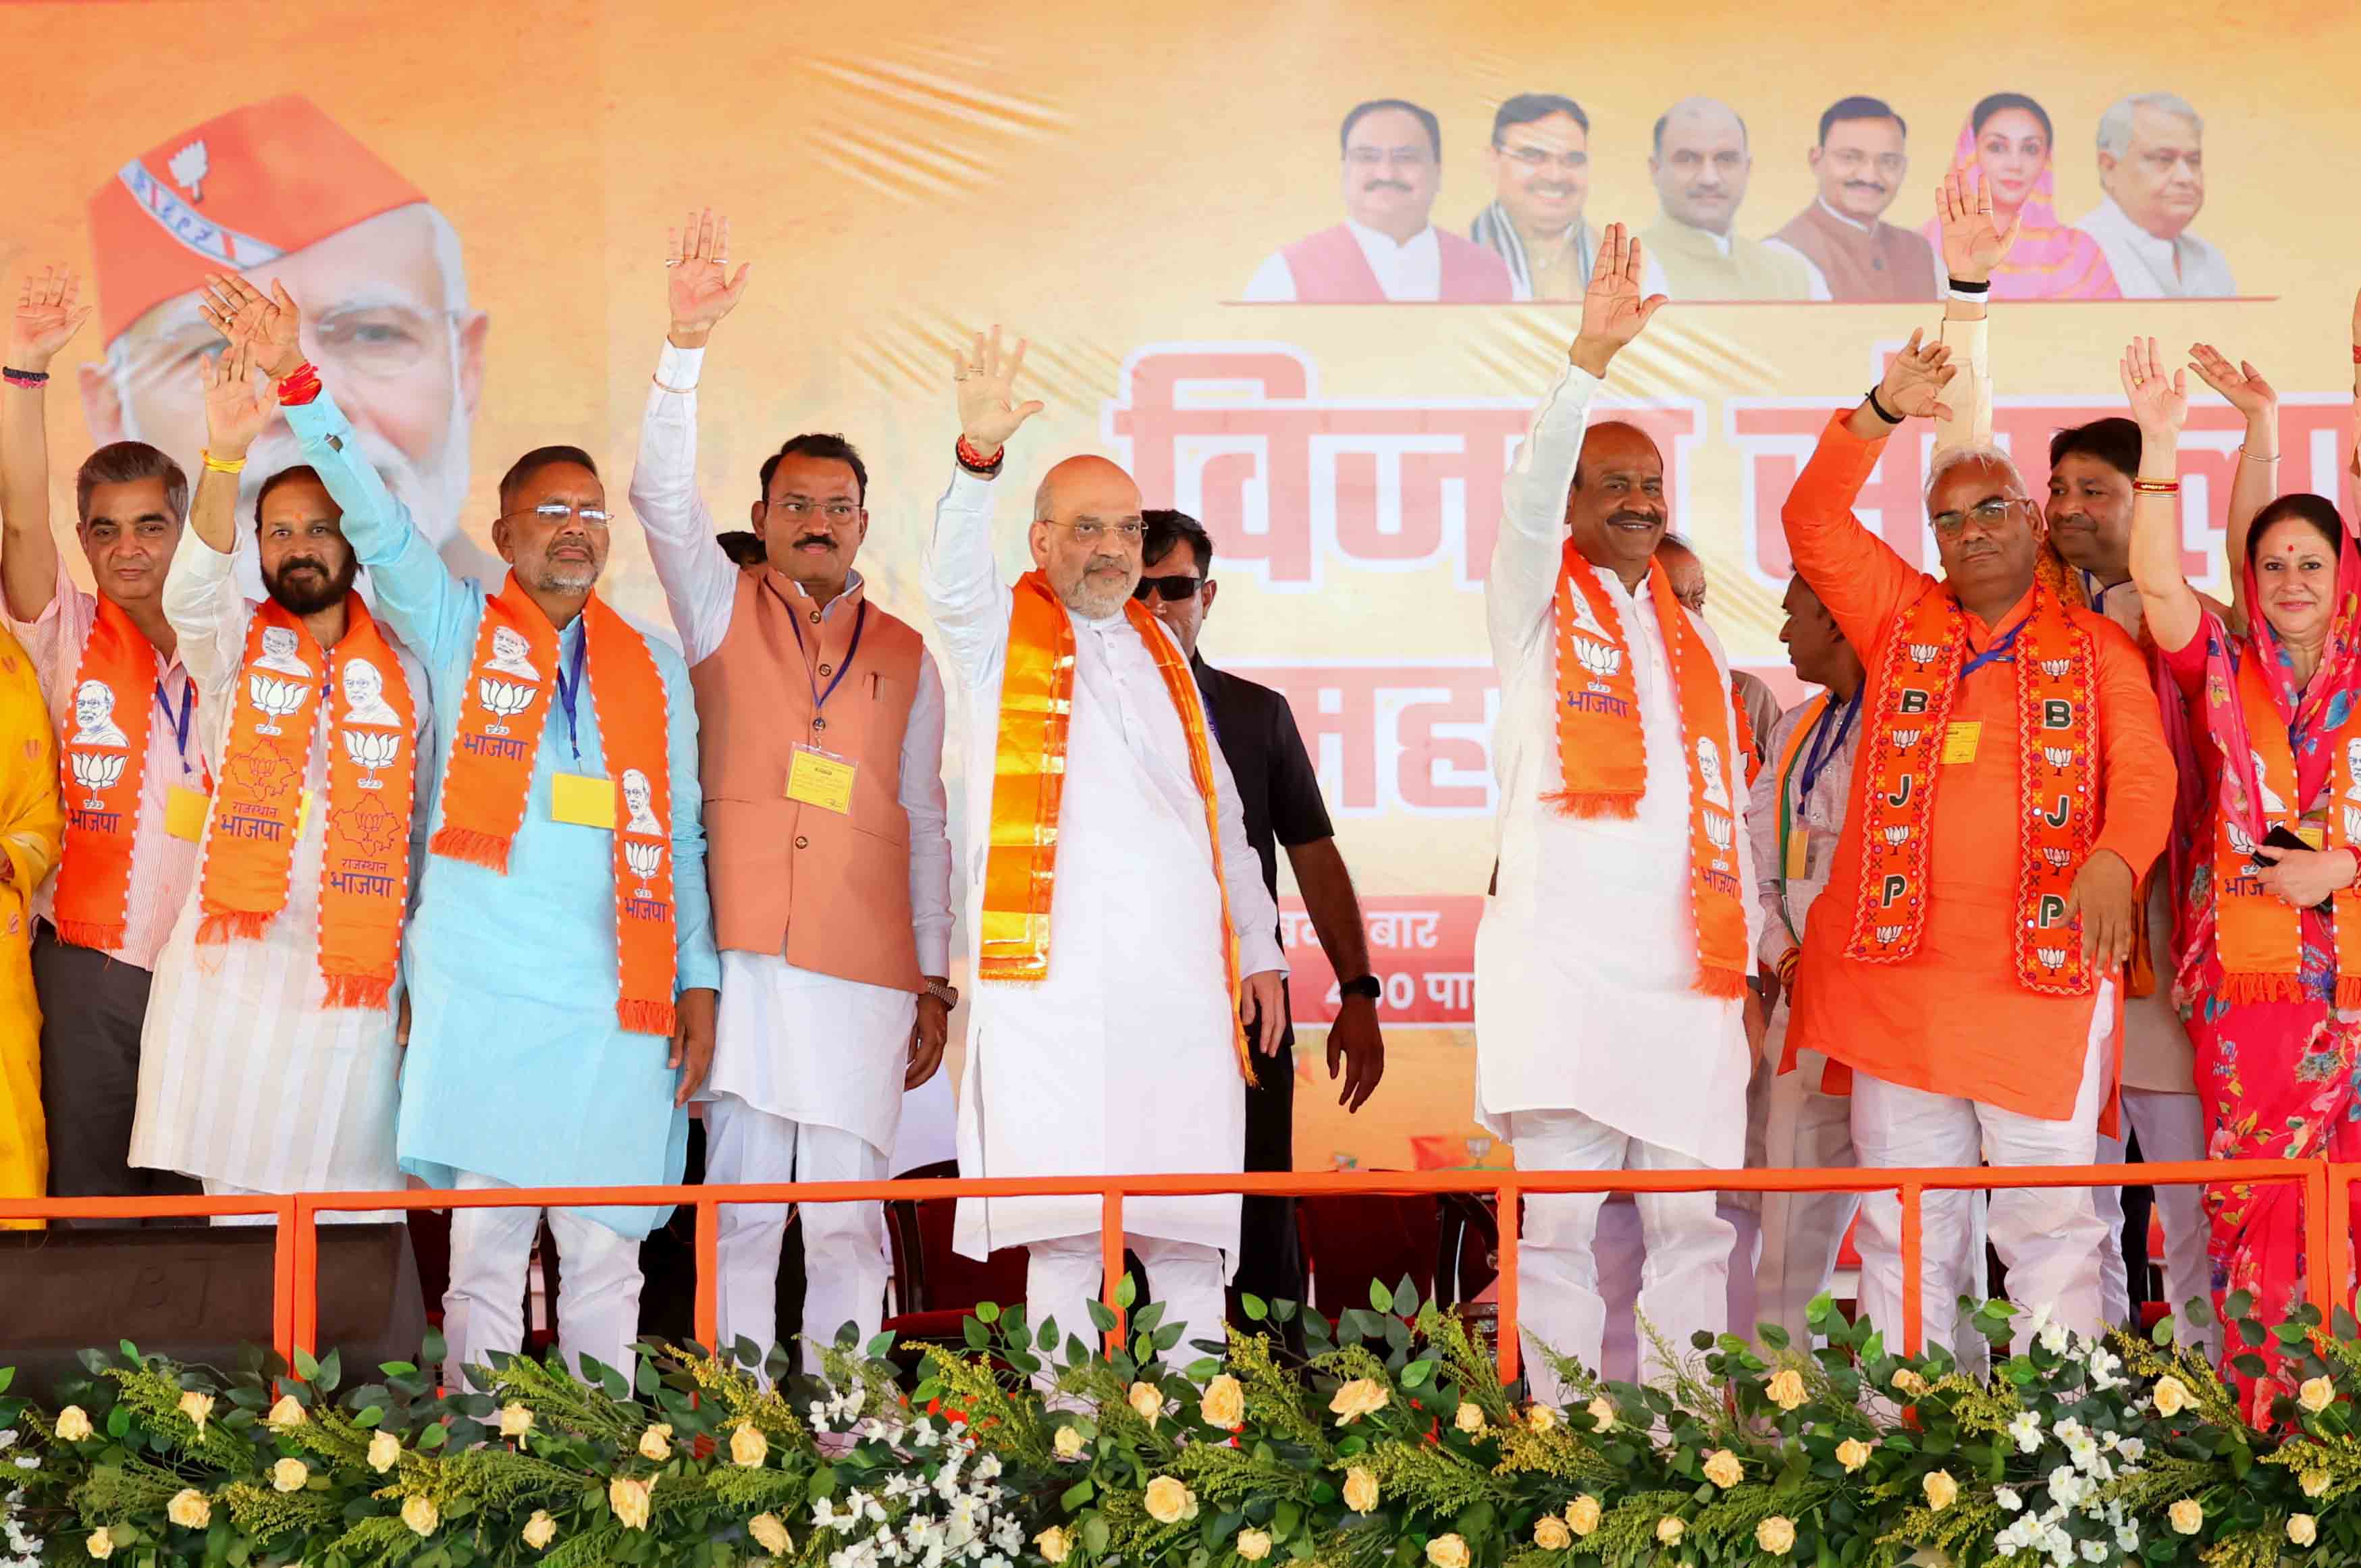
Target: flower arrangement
1389,1444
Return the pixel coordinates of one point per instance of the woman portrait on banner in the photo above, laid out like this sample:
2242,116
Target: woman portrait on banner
32,820
2007,147
2270,949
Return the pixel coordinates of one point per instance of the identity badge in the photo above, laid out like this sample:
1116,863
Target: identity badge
583,800
822,778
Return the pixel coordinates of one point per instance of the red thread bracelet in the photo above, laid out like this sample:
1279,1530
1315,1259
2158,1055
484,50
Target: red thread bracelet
976,462
300,386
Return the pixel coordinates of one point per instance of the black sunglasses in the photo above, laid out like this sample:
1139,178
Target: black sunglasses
1173,589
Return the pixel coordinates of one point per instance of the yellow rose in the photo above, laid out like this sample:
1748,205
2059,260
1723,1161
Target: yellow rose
1908,1381
2302,1529
1167,1501
1147,1400
1053,1544
769,1534
1541,1418
384,1452
1601,1411
1068,1442
285,1414
1224,1403
1582,1515
748,1446
74,1424
1787,1388
656,1443
1360,1490
421,1515
1448,1552
515,1420
1776,1535
1670,1528
101,1543
198,1407
1361,1396
629,1499
2188,1515
540,1529
289,1475
2316,1483
189,1508
2316,1394
1550,1534
2171,1395
1469,1417
1852,1454
1722,1468
1942,1490
1254,1545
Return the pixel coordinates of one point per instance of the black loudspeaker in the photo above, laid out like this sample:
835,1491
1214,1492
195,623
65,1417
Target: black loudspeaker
195,1295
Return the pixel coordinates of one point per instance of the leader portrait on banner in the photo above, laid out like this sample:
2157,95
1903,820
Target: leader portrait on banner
1860,163
1701,166
2152,166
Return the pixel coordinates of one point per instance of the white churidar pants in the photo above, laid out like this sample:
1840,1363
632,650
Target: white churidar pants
844,1244
2171,1129
1684,1284
1062,1277
2050,1238
327,1216
491,1249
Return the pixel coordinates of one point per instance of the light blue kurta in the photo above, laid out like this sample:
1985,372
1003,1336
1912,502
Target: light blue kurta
516,1068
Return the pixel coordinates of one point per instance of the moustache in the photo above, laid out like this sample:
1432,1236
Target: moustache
1108,563
1387,185
302,563
1652,518
827,539
1871,186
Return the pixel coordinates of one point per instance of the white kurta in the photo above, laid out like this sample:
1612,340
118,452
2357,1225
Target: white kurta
807,1047
246,1076
1587,957
1120,1060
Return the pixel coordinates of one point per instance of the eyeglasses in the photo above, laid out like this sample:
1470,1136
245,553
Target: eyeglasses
1538,157
1986,515
1089,532
555,512
1173,590
798,507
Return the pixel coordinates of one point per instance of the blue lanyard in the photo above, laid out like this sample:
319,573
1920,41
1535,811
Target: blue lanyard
569,688
819,697
180,725
2002,651
1827,741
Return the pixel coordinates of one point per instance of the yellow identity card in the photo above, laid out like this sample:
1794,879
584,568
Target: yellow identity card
184,812
822,778
1959,741
580,799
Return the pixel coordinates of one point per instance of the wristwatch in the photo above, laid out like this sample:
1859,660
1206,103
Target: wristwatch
1369,985
946,995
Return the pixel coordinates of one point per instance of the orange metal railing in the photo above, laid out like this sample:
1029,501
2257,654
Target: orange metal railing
2327,1204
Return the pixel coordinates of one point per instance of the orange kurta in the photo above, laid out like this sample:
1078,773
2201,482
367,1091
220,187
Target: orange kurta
1953,1019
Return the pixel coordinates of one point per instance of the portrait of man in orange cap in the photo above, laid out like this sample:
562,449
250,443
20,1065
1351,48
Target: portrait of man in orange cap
277,189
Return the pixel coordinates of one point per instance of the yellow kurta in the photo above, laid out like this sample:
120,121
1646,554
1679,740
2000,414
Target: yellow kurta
32,820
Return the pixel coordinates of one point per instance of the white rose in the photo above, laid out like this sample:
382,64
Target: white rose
2316,1394
198,1407
769,1534
421,1515
74,1424
515,1420
1254,1545
1469,1417
1068,1442
2302,1529
540,1529
100,1544
285,1414
2171,1395
384,1452
289,1475
189,1508
2316,1483
2188,1515
656,1443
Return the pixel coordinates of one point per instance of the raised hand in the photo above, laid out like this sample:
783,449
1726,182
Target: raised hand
696,283
989,412
244,313
1972,242
2160,403
47,317
237,409
1613,309
2241,383
1915,380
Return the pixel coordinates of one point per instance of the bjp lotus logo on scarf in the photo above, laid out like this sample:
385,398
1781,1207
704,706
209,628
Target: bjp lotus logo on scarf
1925,654
2056,856
1597,658
2051,958
96,774
503,699
1897,833
2056,668
276,697
1717,828
1905,739
644,859
372,750
2353,824
2057,757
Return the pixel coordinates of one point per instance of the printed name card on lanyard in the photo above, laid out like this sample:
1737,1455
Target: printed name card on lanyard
1962,736
584,800
816,776
185,809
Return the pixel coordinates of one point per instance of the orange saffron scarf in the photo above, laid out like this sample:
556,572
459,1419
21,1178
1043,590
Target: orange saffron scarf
2057,731
487,782
258,815
100,764
2260,936
1602,752
1036,701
